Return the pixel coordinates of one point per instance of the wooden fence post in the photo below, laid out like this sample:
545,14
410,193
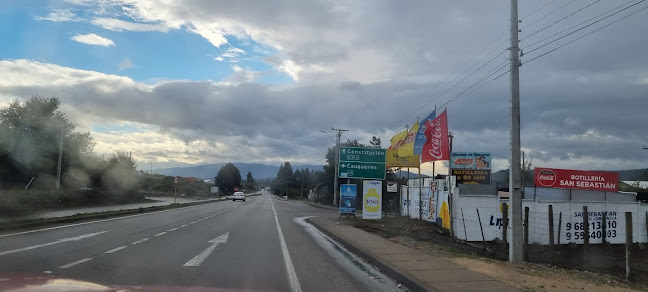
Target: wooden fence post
482,229
628,244
505,226
551,228
526,234
604,230
559,226
585,232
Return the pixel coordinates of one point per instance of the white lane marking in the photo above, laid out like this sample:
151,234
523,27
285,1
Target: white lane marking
75,263
197,260
161,233
103,220
172,229
290,269
192,222
116,249
183,226
140,241
51,243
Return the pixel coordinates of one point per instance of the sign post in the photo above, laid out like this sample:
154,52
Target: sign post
362,163
175,190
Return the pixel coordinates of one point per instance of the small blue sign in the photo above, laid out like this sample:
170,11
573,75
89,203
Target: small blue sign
348,194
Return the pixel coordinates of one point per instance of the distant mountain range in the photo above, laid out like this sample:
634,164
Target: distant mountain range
209,171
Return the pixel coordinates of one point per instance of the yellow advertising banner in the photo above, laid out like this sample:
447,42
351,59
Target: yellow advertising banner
394,160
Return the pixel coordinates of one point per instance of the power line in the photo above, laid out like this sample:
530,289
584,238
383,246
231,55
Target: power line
600,28
559,20
468,90
584,27
550,13
543,7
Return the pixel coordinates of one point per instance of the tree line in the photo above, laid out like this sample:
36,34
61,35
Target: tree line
31,135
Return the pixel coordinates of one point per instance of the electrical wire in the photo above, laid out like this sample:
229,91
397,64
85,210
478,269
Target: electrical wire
559,20
574,40
584,27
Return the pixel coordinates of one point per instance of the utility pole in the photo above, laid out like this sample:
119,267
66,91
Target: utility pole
515,195
336,191
60,160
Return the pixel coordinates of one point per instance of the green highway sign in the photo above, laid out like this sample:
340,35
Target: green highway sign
362,163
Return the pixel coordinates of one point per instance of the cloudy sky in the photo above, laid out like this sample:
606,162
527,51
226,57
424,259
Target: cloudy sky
192,82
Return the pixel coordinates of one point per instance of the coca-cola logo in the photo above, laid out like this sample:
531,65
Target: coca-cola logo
409,139
546,178
435,142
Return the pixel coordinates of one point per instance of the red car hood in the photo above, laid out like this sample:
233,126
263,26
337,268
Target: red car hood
19,282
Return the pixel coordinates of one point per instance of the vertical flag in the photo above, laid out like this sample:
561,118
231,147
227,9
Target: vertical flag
436,146
407,146
420,135
397,139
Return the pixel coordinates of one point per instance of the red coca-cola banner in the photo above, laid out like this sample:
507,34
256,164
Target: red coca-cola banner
436,146
577,179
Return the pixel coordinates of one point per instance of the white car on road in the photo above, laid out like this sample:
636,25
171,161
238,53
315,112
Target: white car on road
238,196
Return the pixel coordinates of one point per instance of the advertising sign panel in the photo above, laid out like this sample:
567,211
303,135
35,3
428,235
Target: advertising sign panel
576,179
471,160
394,160
392,187
348,194
214,190
472,176
358,162
371,199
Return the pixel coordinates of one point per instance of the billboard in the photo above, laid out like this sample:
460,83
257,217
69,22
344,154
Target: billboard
472,176
470,160
371,199
348,194
576,179
394,160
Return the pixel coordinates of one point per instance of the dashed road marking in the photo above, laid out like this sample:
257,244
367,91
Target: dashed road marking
183,226
140,241
172,229
75,263
161,233
116,249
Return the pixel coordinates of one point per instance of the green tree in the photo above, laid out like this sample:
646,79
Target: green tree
119,173
251,184
30,133
228,178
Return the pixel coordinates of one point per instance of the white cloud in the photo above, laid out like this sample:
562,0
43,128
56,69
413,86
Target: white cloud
120,25
212,33
93,39
60,15
231,54
125,64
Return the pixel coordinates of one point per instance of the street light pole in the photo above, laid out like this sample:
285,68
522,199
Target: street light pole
336,191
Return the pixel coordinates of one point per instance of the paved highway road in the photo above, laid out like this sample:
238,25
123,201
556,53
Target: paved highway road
260,244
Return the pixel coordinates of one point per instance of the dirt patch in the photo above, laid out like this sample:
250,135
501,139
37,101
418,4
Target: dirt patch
430,239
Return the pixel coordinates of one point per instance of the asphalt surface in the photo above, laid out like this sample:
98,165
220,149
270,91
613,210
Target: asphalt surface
231,245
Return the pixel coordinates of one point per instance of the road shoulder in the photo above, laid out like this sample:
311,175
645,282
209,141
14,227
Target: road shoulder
414,269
